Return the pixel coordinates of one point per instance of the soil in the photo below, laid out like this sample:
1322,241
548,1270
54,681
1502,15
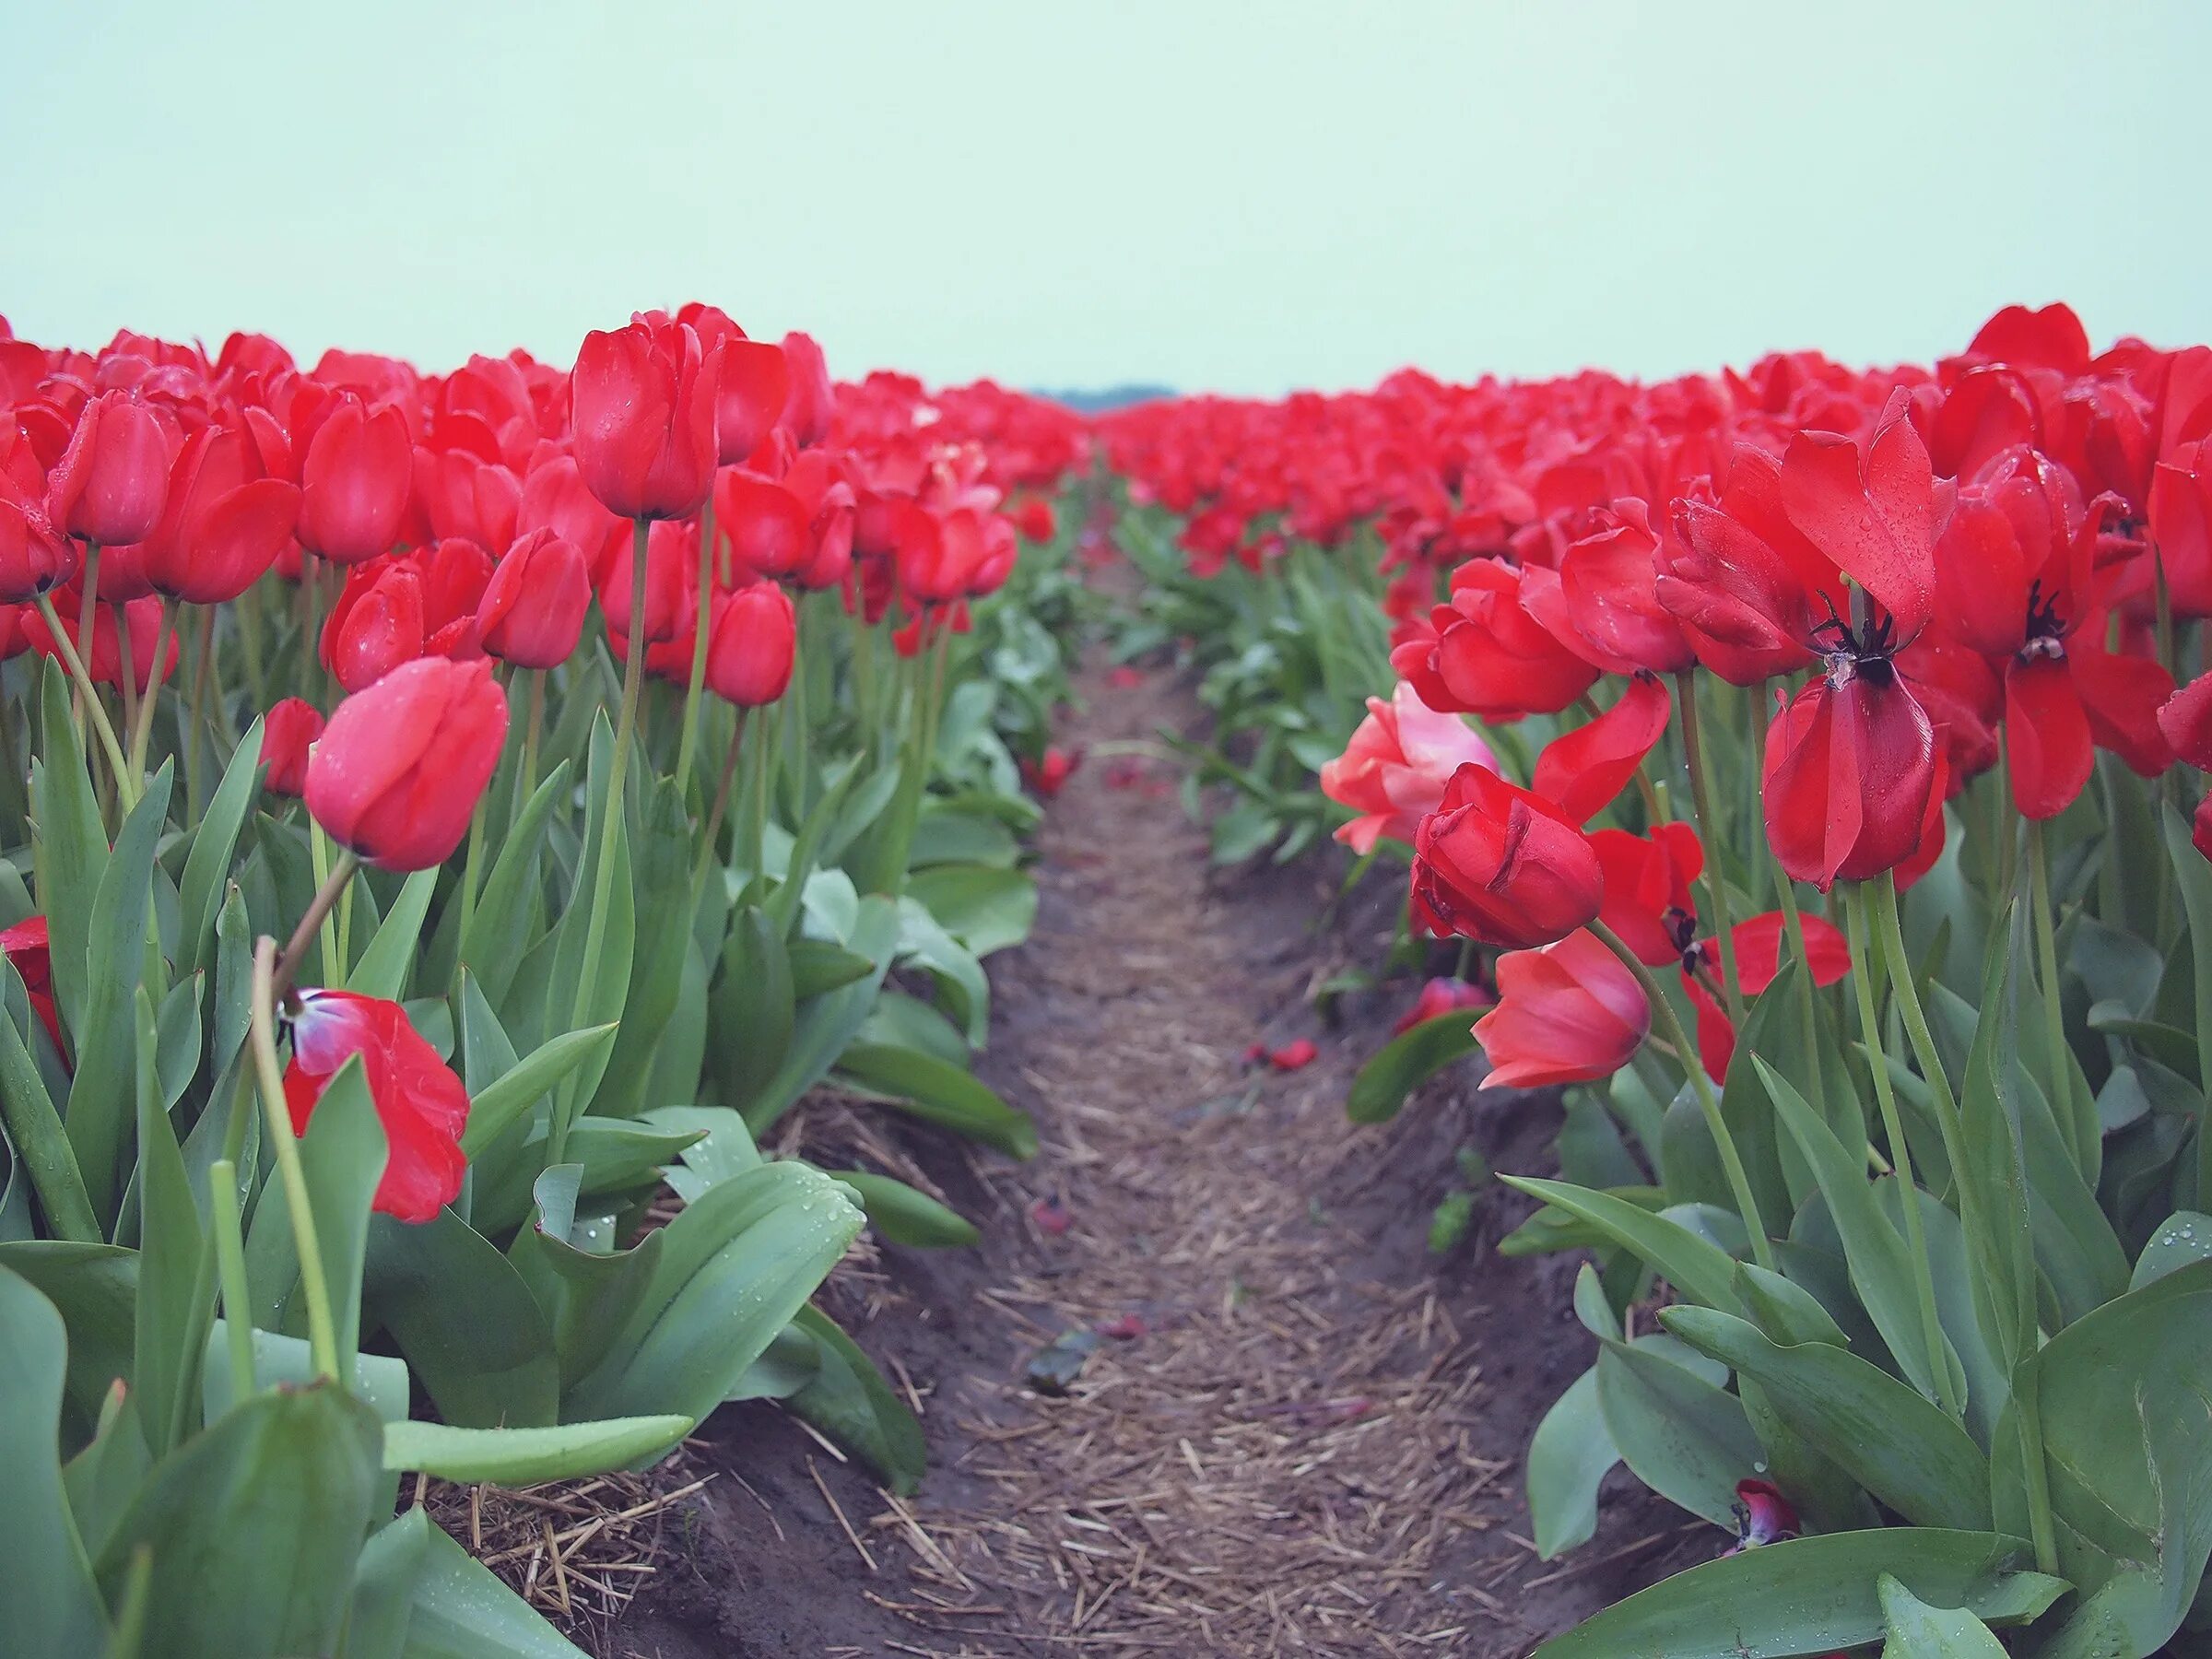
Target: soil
1314,1444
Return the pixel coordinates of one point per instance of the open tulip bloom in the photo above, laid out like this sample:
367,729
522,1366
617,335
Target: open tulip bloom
1830,828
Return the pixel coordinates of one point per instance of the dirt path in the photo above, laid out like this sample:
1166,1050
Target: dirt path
1312,1444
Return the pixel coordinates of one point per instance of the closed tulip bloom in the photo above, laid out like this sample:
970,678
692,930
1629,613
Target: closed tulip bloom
111,483
812,402
671,584
766,525
356,481
642,400
751,392
288,733
421,1104
224,522
1396,766
1499,864
555,497
378,623
533,610
401,766
456,574
1570,1012
33,559
750,652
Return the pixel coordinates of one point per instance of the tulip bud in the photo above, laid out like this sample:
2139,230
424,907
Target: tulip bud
750,652
109,484
288,733
421,1104
1567,1013
812,402
642,401
223,525
766,525
1497,863
378,623
533,610
355,481
399,769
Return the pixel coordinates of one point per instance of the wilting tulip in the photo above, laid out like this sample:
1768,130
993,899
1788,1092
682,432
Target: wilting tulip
1648,902
533,610
644,401
223,525
24,946
288,733
749,654
378,623
1762,1516
1584,769
419,1102
1440,997
1850,767
1496,864
1486,654
399,769
1570,1012
109,484
1049,776
1396,766
1757,944
356,480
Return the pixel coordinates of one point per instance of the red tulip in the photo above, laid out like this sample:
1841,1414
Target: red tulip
533,610
1742,581
1497,863
1396,766
399,769
1608,583
749,395
1489,656
33,559
643,402
1875,516
224,522
1049,776
379,622
808,409
1584,769
419,1102
1440,997
767,526
749,654
1570,1012
1850,767
25,948
355,479
1762,1516
2180,526
671,584
1648,903
555,497
1757,944
109,484
288,734
1295,1056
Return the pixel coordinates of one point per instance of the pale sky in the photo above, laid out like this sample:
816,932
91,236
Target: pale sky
1230,196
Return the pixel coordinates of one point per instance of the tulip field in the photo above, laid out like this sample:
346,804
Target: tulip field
668,1005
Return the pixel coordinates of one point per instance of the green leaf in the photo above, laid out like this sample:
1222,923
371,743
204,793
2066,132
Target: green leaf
384,967
45,1579
176,1264
96,1288
253,1528
72,851
107,1049
2183,1238
34,1130
461,1611
1242,830
906,1216
826,1025
380,1382
753,1006
661,859
943,836
1681,1434
985,908
1888,1437
1812,1595
1405,1062
1692,1264
847,1398
502,1102
818,966
213,842
1919,1632
498,932
724,1146
512,1457
948,1095
465,1320
586,1295
1568,1459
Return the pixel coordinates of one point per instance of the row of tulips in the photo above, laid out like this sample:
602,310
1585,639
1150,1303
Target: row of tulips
1826,808
446,821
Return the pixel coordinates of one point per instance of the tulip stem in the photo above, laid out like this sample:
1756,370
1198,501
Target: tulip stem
534,731
469,865
1900,1157
2062,1102
230,1267
89,700
1890,931
1732,1162
329,884
611,814
1794,924
1700,801
706,858
700,630
144,730
87,611
127,672
202,665
322,1329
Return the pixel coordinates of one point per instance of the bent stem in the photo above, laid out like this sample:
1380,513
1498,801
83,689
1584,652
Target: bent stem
1700,801
611,814
88,698
1900,1157
322,1329
329,885
1732,1162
